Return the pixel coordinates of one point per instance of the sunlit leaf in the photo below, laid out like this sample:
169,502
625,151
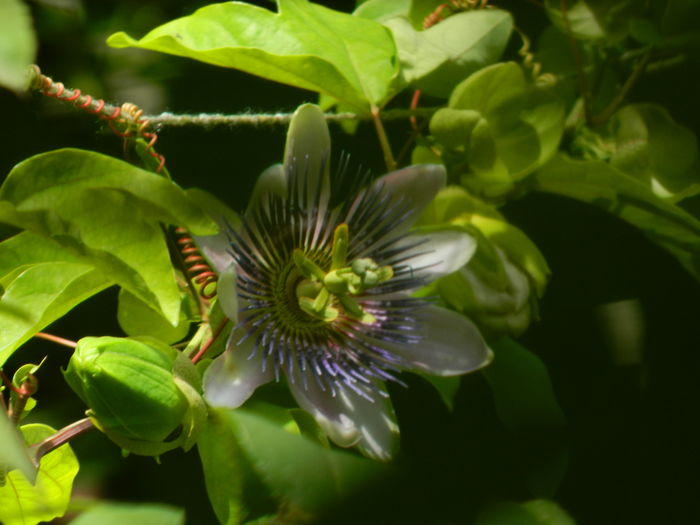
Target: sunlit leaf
23,503
41,294
49,180
138,318
437,59
131,514
17,44
304,45
598,183
107,213
381,10
42,281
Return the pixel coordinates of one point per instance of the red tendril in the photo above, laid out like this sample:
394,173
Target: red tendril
197,267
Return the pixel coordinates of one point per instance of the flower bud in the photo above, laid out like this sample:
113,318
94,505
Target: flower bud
500,286
132,394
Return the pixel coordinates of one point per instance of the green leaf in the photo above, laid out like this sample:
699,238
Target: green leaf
498,128
594,19
646,143
42,281
24,503
437,59
13,453
381,10
222,462
528,407
41,294
309,427
17,44
598,183
131,513
350,58
535,512
446,386
138,318
108,214
50,180
297,469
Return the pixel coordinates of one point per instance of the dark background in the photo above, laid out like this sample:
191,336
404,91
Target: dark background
633,429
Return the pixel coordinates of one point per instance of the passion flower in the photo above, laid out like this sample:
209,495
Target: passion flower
320,286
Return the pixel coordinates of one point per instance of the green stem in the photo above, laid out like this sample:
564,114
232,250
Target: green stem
639,68
578,59
383,140
210,120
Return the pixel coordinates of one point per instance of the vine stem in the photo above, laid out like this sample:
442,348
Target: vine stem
578,59
383,140
56,339
606,113
210,120
61,437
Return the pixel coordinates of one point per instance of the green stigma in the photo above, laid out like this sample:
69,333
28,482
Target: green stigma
320,292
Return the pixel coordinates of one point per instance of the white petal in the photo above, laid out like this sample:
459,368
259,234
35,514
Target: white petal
308,150
272,181
232,378
514,297
451,344
350,419
417,184
438,253
216,249
227,293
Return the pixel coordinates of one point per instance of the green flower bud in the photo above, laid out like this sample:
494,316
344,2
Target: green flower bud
500,287
132,393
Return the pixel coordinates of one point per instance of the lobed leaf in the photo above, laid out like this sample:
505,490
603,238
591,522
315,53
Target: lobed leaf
23,502
438,58
51,180
350,58
107,213
41,294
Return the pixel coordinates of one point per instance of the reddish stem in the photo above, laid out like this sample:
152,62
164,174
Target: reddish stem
56,339
208,344
61,437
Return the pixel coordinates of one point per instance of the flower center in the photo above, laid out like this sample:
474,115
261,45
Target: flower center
320,293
